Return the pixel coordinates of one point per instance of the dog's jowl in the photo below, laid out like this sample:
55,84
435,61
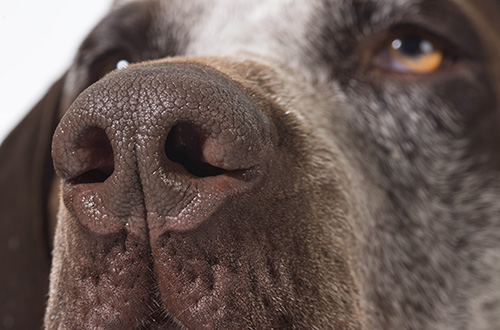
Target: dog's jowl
281,164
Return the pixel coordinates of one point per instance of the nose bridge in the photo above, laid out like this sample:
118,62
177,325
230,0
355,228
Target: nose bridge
159,146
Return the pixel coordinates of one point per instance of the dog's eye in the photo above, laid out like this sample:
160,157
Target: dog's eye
412,53
122,64
106,63
416,54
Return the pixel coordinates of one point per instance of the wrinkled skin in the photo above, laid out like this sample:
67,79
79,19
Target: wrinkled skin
262,164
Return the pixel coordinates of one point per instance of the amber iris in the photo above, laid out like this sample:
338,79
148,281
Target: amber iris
416,54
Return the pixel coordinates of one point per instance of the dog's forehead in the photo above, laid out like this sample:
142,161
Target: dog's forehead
227,27
220,27
281,29
224,30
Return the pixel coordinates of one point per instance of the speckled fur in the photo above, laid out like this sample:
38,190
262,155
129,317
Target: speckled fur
396,179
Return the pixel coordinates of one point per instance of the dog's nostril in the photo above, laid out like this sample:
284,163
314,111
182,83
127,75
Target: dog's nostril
95,149
184,145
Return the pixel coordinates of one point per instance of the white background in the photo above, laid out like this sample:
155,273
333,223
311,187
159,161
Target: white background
38,40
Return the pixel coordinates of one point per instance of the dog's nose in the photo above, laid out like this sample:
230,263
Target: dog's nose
160,147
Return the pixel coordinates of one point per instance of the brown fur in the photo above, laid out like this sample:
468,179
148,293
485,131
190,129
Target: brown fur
341,192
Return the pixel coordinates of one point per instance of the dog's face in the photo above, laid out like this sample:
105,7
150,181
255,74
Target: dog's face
281,164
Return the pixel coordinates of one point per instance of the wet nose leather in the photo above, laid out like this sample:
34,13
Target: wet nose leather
158,148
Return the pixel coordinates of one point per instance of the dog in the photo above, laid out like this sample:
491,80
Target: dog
262,165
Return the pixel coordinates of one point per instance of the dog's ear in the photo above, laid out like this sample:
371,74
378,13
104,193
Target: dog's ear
25,177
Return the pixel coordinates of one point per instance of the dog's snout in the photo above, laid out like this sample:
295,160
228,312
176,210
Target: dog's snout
159,146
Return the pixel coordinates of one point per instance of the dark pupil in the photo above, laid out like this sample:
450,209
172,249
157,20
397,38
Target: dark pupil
411,46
